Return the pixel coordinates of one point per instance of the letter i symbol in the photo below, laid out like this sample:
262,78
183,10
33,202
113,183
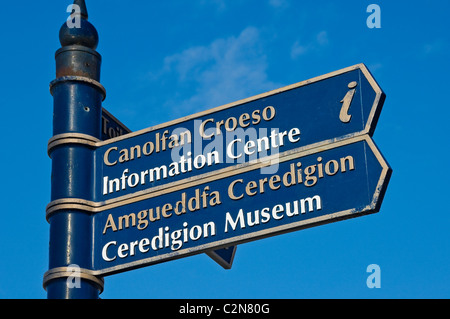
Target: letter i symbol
346,101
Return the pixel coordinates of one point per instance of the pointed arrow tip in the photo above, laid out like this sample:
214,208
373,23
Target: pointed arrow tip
224,257
83,9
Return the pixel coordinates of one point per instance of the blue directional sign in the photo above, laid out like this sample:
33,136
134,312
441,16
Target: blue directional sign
111,126
302,116
232,206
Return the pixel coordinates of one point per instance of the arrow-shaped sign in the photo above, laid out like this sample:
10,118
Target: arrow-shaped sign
112,127
232,206
316,112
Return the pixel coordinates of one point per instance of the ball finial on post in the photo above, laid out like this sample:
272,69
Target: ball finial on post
77,30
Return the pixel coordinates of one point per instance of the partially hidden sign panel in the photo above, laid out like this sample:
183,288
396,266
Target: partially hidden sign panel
236,205
316,112
111,126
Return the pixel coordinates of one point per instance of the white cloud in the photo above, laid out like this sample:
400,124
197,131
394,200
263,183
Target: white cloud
278,3
220,5
226,70
434,47
322,38
299,48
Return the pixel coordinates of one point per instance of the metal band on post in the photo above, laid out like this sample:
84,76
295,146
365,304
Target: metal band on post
71,138
62,204
67,272
79,79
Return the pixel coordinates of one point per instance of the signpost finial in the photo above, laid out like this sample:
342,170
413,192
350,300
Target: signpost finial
83,10
77,30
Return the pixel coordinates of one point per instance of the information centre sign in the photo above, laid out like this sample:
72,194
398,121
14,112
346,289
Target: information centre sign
302,116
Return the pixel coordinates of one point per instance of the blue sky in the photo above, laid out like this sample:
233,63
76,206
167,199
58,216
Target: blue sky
166,59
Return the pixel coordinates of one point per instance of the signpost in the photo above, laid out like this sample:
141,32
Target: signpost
289,159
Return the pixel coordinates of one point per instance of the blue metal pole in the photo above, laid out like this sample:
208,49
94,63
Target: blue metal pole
78,96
